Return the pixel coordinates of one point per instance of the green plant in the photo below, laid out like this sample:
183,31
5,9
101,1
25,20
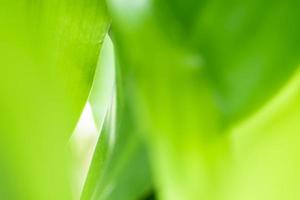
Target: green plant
203,103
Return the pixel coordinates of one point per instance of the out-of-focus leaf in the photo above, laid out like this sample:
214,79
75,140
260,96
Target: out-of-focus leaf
266,151
120,167
235,57
249,48
255,45
178,18
48,51
126,172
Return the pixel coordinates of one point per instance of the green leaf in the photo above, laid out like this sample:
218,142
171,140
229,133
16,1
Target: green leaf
266,150
120,168
125,171
189,89
49,51
249,48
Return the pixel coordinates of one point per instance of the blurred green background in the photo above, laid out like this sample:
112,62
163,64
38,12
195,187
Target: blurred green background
149,99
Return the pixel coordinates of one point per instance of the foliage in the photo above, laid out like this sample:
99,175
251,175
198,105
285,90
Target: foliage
193,99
